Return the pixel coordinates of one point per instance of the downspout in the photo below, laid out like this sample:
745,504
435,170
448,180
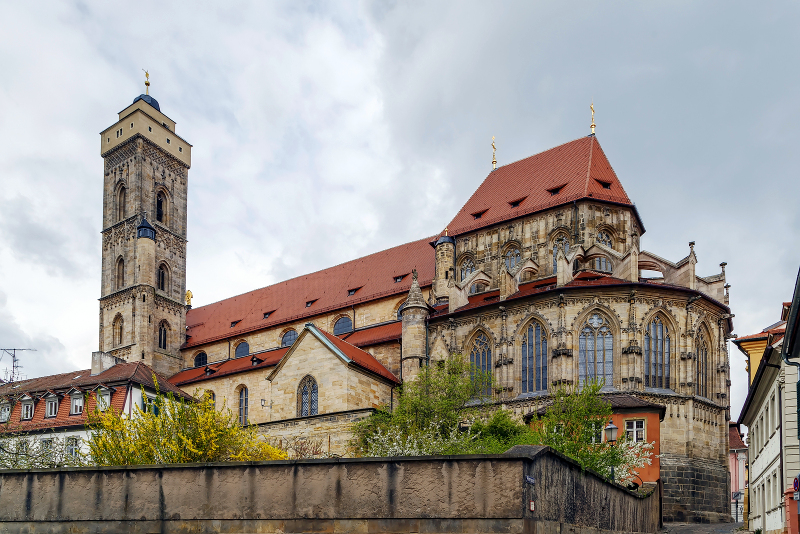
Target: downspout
427,356
780,444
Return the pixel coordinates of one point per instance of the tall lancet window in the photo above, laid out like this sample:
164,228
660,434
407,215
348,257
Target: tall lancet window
481,355
467,268
596,351
513,257
121,204
657,349
701,368
120,273
161,207
307,397
534,359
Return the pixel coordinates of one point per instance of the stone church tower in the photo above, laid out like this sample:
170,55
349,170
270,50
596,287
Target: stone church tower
142,310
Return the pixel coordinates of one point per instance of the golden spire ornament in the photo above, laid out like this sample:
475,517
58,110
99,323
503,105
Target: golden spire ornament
146,82
592,108
494,159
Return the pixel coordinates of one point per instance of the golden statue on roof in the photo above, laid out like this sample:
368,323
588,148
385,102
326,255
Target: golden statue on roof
189,297
494,159
146,82
592,108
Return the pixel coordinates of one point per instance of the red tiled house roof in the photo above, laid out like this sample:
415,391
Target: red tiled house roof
375,335
228,367
359,357
577,170
735,438
372,276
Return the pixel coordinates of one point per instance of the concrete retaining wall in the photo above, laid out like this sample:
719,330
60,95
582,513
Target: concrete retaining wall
424,494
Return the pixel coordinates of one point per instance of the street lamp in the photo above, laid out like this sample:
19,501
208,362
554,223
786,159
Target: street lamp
611,437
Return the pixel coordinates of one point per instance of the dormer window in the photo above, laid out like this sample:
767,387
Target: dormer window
399,278
52,407
76,405
478,214
555,190
5,412
27,411
606,185
351,292
267,314
234,323
103,399
516,203
310,302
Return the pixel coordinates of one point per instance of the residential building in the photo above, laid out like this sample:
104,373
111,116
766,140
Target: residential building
738,468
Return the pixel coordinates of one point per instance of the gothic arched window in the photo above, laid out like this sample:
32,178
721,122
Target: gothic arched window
161,207
596,351
534,359
512,257
162,336
242,349
561,243
200,359
118,329
288,338
307,397
467,268
604,239
161,277
481,355
121,203
701,368
342,326
656,354
120,273
243,401
602,264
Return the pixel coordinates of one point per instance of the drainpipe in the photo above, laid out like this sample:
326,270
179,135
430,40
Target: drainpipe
427,356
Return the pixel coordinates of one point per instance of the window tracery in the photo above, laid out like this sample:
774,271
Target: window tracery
701,368
481,355
307,397
657,349
534,359
201,359
512,257
467,268
162,336
604,239
596,351
289,338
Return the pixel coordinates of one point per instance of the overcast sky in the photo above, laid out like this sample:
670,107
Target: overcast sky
326,131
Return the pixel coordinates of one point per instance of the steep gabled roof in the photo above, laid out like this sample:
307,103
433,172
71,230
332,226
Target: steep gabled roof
735,438
572,171
227,367
373,275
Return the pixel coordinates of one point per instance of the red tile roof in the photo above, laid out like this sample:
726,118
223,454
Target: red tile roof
579,168
375,335
359,357
764,334
735,439
373,274
228,367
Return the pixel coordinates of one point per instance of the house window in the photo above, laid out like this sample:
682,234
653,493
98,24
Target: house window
307,397
288,338
561,243
200,359
27,410
52,407
242,349
120,273
72,447
162,336
595,351
656,355
596,429
481,355
76,406
47,444
534,359
5,413
513,257
161,204
604,239
602,264
243,420
342,326
162,278
103,400
467,268
701,369
634,430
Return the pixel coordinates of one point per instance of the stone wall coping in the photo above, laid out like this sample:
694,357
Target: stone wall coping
317,417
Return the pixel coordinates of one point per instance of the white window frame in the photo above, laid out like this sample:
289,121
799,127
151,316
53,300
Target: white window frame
52,407
73,446
634,430
76,405
27,411
103,400
5,413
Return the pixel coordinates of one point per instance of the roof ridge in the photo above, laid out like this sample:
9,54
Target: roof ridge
426,239
539,153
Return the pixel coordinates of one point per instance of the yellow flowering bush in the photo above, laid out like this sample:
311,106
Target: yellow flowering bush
170,430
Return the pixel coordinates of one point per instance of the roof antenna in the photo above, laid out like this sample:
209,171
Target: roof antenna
592,108
146,82
494,159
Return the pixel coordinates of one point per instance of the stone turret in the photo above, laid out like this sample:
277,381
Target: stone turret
445,266
415,314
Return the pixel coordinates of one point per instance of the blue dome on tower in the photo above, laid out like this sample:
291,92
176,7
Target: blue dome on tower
149,99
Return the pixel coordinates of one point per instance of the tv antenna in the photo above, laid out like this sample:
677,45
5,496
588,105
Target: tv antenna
15,365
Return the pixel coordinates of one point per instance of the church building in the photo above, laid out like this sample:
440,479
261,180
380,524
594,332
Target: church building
539,279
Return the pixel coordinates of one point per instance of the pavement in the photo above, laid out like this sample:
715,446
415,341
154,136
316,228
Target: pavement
700,528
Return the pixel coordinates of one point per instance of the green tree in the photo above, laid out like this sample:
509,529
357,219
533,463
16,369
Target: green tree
170,430
23,450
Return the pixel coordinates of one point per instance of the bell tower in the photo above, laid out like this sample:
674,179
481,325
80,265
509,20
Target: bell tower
145,182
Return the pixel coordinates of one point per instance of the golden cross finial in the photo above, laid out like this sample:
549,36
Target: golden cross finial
445,232
592,108
494,159
146,82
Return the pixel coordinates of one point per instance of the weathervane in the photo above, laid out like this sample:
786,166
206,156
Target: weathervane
146,82
494,159
592,108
